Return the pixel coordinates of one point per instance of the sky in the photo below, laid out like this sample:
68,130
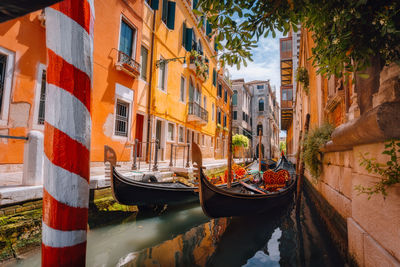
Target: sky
265,65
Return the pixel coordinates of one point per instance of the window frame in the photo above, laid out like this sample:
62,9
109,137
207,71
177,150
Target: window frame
184,90
165,80
124,94
123,18
118,100
8,81
180,127
38,89
173,132
141,63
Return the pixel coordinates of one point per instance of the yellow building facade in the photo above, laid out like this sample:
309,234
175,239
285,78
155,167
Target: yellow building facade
182,100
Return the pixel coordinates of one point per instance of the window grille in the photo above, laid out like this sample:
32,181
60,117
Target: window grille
121,119
42,100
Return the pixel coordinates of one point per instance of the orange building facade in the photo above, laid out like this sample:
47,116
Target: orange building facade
117,39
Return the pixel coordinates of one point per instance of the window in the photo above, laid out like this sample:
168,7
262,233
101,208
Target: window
287,94
191,90
181,135
164,11
126,40
202,140
205,102
213,111
224,120
259,130
162,76
244,116
3,65
226,96
143,63
234,98
187,136
260,87
182,94
214,77
261,105
219,90
42,99
286,46
235,115
219,116
171,131
121,118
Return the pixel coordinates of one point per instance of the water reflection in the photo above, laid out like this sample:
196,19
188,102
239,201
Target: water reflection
277,239
183,236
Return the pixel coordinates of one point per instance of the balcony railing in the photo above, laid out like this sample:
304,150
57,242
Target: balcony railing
128,65
197,113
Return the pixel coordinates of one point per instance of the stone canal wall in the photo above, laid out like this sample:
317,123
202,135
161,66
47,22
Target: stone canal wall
21,224
370,227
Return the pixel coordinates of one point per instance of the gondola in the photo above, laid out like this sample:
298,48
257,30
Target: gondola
130,192
217,202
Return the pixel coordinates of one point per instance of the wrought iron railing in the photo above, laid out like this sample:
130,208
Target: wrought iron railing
126,61
196,110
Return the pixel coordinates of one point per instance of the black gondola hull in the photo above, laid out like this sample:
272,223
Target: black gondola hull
129,192
217,202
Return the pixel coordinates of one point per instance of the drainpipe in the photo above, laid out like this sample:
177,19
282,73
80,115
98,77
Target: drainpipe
148,145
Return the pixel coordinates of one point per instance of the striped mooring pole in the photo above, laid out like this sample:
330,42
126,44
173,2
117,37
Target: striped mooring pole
69,41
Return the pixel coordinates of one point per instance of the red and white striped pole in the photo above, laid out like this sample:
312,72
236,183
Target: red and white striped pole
69,41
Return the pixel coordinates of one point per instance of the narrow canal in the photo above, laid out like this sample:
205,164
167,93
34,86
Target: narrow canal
184,236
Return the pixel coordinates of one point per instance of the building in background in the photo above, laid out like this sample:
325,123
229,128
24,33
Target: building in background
223,100
241,111
265,119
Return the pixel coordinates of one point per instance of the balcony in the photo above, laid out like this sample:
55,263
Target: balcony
127,64
197,114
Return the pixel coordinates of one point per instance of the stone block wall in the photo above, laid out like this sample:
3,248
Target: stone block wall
373,225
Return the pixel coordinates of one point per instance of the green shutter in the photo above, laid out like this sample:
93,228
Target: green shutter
208,29
215,46
189,35
214,77
195,2
184,34
171,15
164,11
154,4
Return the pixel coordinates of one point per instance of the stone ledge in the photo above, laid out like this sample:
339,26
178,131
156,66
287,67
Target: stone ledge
11,195
378,124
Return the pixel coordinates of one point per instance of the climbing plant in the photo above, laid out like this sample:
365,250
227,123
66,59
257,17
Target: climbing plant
313,141
302,77
346,33
389,172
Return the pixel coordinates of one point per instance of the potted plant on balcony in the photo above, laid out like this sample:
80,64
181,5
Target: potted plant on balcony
198,64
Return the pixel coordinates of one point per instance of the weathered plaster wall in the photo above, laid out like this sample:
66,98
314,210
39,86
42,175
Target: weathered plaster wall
373,226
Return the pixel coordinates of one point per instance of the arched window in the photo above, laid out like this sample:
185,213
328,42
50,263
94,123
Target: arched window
261,105
259,129
234,98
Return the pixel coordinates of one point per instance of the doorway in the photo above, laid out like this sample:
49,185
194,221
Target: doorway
139,133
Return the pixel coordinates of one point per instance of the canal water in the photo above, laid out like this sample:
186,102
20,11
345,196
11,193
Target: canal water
184,236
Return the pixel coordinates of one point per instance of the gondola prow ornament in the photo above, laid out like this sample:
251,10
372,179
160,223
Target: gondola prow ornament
69,41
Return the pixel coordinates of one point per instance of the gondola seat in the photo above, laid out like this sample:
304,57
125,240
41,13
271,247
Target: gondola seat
275,180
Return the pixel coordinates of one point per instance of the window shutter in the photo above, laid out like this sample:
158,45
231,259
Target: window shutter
189,34
184,34
195,2
215,46
208,29
164,11
214,78
154,4
171,15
